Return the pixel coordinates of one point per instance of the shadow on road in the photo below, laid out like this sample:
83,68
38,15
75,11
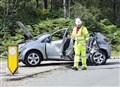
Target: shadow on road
53,64
69,64
112,63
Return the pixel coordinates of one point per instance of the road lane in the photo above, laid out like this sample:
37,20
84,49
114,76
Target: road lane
103,76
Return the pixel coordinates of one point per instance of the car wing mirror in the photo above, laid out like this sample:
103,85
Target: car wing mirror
47,40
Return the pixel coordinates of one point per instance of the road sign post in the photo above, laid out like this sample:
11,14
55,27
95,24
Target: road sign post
13,58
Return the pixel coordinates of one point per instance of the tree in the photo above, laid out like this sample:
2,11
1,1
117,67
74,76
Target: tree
37,3
45,5
65,9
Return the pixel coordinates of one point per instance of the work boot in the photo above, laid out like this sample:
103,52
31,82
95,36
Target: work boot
75,68
84,68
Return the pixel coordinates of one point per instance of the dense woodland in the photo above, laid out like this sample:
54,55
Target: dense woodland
45,15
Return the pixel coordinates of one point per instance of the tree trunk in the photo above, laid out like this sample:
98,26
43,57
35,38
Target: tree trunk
45,4
51,5
69,8
114,12
37,3
65,10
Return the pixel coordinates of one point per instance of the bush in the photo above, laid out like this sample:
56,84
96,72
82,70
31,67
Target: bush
36,29
110,30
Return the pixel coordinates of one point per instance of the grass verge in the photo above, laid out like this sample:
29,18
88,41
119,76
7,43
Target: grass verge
115,53
116,50
3,59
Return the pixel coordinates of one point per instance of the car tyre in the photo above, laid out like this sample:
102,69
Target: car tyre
33,58
99,58
23,62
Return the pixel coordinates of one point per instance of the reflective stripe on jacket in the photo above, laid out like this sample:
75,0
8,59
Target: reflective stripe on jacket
81,36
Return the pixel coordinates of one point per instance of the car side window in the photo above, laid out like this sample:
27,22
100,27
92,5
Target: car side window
58,35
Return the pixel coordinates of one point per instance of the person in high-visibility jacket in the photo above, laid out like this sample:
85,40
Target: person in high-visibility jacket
81,36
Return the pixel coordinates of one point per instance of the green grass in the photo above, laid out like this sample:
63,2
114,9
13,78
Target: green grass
116,50
115,53
3,59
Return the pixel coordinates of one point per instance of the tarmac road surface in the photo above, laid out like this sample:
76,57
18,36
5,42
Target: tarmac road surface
95,76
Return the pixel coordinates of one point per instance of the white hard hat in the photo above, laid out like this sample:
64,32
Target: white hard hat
78,21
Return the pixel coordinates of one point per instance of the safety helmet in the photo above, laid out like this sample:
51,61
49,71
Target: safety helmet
78,21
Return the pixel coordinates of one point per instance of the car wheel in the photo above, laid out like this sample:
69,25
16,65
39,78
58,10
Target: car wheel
99,58
33,58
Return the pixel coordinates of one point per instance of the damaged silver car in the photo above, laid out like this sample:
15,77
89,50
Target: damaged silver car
58,45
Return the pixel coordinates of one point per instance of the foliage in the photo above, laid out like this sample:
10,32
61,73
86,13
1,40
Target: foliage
116,50
2,59
88,16
36,29
110,30
97,15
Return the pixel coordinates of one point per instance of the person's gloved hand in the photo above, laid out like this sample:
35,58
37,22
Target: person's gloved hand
85,44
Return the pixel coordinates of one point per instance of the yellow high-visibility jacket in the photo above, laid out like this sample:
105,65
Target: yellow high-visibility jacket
81,36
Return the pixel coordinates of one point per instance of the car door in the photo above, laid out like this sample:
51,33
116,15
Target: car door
67,46
53,48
